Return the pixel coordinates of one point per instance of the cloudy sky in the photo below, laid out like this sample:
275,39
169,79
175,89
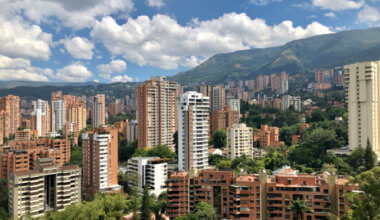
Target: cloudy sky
131,40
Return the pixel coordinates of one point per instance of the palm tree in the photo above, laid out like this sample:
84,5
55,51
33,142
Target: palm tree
298,208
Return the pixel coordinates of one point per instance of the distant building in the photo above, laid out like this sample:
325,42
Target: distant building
26,135
58,115
41,117
98,110
221,119
362,88
152,172
269,136
77,114
11,106
100,160
193,129
218,98
157,112
294,101
239,141
234,104
48,187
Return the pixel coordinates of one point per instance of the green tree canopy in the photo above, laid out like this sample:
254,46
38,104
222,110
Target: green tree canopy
219,138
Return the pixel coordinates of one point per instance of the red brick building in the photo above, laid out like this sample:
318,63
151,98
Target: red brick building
222,119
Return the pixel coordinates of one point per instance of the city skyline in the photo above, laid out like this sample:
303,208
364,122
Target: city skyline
129,40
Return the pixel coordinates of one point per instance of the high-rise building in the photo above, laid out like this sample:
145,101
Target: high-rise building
77,114
152,172
40,117
239,141
157,112
100,160
294,101
48,187
116,107
221,119
218,98
206,90
4,125
11,105
234,104
363,91
98,110
58,115
258,196
193,129
26,135
55,96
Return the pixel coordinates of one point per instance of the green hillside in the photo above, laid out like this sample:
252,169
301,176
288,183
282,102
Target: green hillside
323,51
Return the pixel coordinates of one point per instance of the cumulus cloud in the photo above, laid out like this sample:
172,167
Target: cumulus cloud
115,66
330,15
338,5
123,78
369,15
20,39
80,48
75,72
162,42
72,13
21,69
156,3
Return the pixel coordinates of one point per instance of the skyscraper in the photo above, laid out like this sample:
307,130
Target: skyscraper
157,112
98,110
100,160
58,116
363,91
193,121
77,114
218,98
11,104
40,117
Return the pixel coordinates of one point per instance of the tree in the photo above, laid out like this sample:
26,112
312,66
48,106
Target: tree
159,205
224,165
76,157
369,156
205,211
146,205
365,205
299,207
219,138
3,198
175,141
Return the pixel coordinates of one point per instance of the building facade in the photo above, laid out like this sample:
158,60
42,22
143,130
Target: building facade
294,101
193,129
11,105
363,91
98,110
218,98
46,188
222,119
100,160
157,112
239,141
58,115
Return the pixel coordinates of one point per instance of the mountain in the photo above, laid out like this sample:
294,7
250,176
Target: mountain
299,56
113,90
13,84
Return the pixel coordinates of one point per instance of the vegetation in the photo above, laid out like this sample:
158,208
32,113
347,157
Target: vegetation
298,208
3,199
126,150
159,151
203,211
76,157
120,117
220,138
366,204
146,205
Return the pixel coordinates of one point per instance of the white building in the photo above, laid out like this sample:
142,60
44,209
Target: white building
294,101
193,129
151,171
41,111
132,131
363,91
58,115
239,141
234,104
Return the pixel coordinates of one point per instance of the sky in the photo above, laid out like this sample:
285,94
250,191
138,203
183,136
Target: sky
131,40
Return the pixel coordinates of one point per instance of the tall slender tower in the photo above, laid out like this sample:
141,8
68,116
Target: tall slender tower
58,116
218,98
193,120
363,92
157,112
98,110
11,104
40,117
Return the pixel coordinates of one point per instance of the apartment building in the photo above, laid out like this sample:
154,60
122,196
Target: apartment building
116,107
323,79
222,119
363,91
239,141
269,136
23,155
218,98
40,117
257,196
294,101
58,115
77,114
157,112
48,187
98,110
100,160
26,135
234,104
11,105
193,129
152,172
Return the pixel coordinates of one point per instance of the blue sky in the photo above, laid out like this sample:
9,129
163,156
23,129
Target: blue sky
131,40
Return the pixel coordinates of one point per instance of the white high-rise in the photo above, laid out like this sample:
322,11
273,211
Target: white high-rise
193,128
239,141
362,87
41,119
58,118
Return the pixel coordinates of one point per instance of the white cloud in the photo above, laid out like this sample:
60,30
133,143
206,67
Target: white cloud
75,72
338,5
115,66
80,48
330,15
369,15
262,2
21,69
156,3
73,13
163,43
123,78
19,39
